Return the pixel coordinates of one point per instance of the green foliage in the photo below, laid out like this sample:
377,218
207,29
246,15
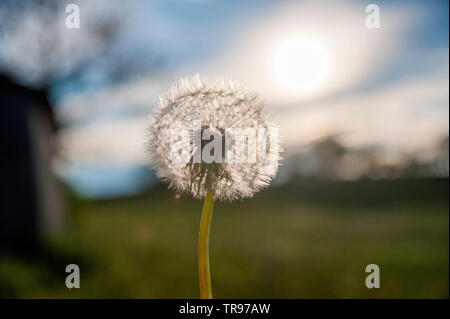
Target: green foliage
303,241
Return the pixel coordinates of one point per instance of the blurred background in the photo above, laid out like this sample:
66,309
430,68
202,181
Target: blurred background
364,114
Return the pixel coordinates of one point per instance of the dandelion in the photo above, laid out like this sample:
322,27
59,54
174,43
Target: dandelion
211,139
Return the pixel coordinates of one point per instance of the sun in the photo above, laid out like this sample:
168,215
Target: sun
302,64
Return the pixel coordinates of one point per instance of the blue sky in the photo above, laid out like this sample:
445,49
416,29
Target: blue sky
386,87
189,32
194,30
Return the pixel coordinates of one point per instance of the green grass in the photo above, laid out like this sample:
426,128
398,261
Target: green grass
303,241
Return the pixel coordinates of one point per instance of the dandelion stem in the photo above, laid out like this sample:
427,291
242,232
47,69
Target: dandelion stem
203,247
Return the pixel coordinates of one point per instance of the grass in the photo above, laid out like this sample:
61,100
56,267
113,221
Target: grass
302,241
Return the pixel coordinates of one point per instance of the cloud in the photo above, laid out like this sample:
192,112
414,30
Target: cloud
356,52
406,112
137,96
120,141
407,115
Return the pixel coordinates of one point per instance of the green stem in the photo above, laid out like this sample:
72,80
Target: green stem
203,247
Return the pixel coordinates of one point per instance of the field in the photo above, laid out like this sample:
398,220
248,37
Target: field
309,240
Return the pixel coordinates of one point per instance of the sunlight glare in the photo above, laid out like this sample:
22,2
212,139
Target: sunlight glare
301,64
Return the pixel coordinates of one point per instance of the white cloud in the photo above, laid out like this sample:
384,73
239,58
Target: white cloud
407,115
356,52
139,95
108,142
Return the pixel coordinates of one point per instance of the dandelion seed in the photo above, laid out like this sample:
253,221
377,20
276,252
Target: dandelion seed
217,105
201,159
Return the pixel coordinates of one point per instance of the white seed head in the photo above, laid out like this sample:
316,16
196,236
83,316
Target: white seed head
217,107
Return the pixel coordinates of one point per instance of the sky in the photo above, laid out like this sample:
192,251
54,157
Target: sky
318,68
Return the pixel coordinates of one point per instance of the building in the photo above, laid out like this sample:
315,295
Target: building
31,195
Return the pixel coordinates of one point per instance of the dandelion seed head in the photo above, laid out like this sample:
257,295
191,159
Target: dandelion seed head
218,105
